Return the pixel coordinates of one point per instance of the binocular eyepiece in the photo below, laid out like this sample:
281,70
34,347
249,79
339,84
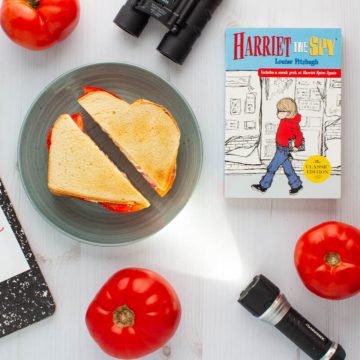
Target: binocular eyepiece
185,20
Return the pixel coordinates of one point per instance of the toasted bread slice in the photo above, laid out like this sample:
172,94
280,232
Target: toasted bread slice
78,168
145,132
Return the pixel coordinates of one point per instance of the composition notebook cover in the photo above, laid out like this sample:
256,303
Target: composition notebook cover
24,296
283,113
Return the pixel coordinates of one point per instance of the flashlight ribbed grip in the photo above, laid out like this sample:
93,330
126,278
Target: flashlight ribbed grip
304,334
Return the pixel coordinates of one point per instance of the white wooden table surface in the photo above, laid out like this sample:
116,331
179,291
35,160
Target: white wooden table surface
215,246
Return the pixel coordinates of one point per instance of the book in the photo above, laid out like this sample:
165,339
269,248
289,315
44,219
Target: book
283,113
24,295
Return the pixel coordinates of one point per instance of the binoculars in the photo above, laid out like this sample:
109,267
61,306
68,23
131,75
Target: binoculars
185,20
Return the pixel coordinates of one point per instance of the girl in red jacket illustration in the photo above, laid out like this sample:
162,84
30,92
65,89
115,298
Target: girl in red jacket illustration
288,130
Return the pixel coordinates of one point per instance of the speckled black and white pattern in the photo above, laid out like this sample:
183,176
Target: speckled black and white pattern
24,299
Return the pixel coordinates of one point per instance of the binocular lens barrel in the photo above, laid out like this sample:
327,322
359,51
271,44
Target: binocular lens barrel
177,46
131,20
263,299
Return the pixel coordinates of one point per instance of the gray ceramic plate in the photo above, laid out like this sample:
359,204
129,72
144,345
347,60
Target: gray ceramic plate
89,222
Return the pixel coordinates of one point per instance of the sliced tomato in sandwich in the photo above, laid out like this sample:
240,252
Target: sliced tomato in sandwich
78,119
122,208
90,89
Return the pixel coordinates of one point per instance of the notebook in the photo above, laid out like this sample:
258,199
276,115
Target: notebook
24,295
283,113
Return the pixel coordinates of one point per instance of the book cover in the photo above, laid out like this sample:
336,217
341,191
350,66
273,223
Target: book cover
24,295
283,113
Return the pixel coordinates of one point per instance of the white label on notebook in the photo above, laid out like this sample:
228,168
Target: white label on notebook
12,259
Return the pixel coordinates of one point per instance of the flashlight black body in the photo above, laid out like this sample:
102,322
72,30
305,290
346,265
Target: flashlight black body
308,338
263,299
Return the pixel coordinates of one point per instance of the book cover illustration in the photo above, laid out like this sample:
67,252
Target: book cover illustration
283,113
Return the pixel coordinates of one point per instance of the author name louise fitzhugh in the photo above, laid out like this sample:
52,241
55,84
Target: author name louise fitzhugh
296,61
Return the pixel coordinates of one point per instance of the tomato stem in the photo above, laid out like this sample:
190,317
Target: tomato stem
123,316
333,259
34,3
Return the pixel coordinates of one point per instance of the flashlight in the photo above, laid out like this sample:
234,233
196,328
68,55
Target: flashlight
264,300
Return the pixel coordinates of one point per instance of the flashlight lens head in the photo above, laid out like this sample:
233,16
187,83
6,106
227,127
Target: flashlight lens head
259,295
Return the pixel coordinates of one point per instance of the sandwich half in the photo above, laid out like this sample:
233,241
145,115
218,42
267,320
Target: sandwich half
145,132
78,168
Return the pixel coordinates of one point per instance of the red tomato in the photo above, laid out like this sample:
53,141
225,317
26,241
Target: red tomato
327,258
135,313
39,24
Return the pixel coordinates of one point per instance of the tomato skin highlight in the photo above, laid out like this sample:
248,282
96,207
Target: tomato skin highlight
327,258
145,302
39,24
